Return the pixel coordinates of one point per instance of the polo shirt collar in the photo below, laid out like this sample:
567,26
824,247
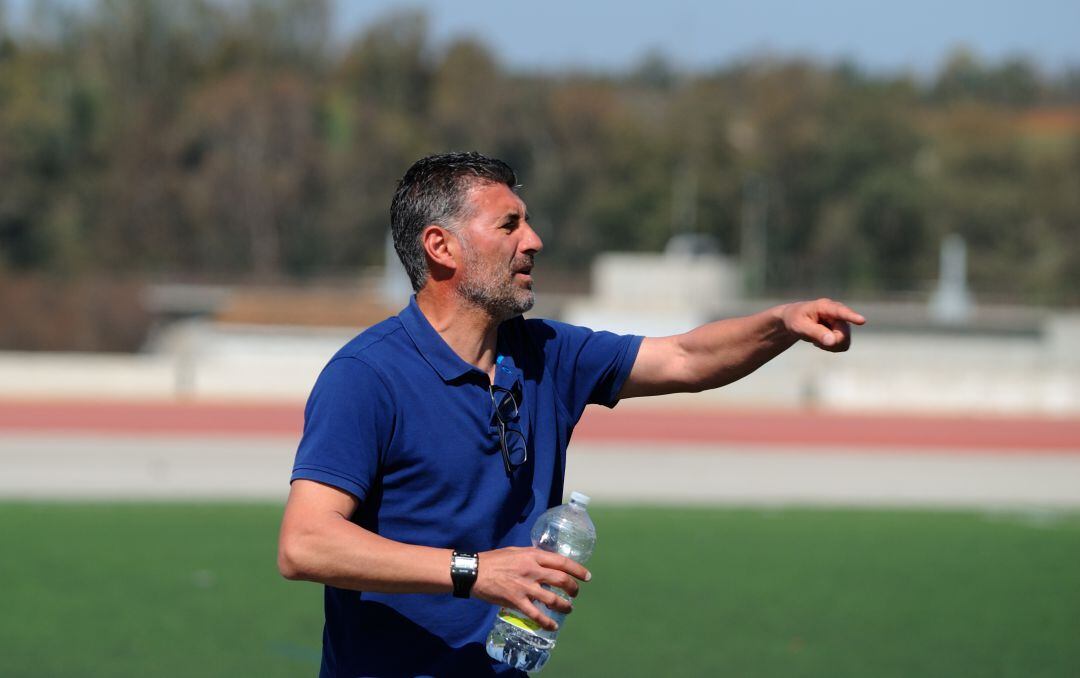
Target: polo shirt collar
442,358
431,345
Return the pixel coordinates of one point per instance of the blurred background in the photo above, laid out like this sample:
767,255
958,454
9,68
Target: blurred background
194,207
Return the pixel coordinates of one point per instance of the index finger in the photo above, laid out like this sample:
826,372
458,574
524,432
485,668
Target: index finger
557,562
842,312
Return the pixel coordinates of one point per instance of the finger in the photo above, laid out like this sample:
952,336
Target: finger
840,311
839,339
554,601
563,581
557,562
529,610
842,333
818,332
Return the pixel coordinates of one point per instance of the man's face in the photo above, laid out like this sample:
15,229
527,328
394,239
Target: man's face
499,246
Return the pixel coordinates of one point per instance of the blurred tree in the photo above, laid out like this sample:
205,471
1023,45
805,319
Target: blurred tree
654,71
780,110
467,96
1014,82
869,230
253,158
239,139
1068,91
390,66
46,138
980,194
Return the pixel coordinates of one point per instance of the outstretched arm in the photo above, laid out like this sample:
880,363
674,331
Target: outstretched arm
727,350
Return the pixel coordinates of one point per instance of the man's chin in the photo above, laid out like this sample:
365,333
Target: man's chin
515,308
501,307
518,306
528,303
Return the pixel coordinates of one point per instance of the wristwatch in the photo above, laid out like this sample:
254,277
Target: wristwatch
463,567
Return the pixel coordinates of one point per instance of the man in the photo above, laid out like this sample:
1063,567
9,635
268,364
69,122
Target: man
433,440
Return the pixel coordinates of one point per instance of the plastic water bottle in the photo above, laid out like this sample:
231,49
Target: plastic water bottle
518,640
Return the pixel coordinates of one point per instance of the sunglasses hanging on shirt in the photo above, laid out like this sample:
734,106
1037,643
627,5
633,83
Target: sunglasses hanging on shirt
511,441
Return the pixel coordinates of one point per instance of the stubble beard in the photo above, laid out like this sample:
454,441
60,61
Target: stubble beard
492,289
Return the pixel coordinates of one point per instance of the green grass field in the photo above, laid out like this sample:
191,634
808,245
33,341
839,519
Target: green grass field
191,590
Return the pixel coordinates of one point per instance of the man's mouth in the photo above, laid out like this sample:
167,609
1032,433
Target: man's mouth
525,271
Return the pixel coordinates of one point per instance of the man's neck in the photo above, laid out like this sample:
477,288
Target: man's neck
469,331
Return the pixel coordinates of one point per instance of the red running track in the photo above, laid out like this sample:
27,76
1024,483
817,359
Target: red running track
757,427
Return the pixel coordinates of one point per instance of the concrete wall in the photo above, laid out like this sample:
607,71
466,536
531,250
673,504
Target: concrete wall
1031,374
646,281
906,373
193,360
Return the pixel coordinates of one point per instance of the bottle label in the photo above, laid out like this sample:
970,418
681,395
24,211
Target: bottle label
520,622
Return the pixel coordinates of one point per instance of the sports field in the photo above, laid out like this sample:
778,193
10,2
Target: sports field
171,589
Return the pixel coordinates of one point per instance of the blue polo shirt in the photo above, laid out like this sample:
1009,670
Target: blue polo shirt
403,424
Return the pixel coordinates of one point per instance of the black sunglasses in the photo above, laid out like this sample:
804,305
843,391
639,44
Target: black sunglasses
514,450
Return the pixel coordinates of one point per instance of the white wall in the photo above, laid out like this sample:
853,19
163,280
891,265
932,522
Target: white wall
882,372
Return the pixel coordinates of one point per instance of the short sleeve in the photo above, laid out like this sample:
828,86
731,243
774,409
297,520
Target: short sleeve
588,367
348,423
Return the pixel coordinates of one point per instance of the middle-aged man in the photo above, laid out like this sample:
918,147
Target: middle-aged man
433,440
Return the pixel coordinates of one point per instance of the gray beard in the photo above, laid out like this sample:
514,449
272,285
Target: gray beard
490,291
501,302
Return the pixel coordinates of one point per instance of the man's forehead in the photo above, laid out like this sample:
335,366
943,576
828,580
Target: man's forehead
492,196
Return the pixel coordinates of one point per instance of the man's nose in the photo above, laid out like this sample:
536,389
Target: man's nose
532,242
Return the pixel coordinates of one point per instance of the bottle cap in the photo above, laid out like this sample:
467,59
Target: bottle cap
580,498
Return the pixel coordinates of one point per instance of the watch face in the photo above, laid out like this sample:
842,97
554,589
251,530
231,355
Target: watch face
464,562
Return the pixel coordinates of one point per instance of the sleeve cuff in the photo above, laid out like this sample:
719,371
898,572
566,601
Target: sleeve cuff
626,364
331,478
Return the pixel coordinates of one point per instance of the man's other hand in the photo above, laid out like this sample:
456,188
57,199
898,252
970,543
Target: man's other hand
823,322
512,577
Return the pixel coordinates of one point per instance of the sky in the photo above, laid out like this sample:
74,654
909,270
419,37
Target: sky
913,35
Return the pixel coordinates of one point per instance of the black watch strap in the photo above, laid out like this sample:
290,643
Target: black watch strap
463,569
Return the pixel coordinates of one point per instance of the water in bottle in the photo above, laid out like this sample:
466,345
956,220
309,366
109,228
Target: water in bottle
517,640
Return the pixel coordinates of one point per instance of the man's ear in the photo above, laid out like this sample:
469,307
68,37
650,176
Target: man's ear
443,250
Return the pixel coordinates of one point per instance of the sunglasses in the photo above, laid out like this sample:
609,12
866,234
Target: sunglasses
514,451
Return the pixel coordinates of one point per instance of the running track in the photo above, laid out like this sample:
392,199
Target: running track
638,453
623,424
